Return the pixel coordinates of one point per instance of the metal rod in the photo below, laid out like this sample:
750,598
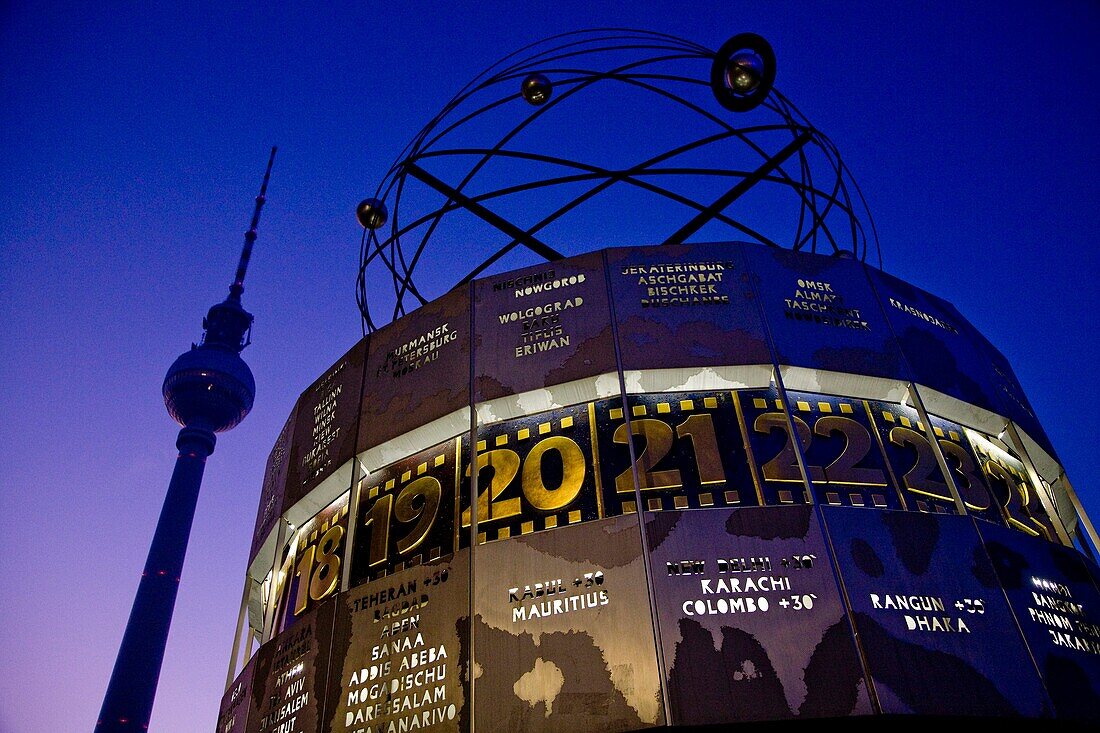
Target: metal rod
481,212
930,434
1082,516
707,214
242,620
1037,484
237,287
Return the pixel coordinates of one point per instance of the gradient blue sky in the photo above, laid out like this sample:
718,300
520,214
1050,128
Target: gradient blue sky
132,140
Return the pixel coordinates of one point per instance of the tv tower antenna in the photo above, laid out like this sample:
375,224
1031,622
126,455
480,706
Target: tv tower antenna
208,389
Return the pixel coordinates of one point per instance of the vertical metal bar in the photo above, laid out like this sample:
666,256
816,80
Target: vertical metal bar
1082,517
592,436
253,638
753,470
241,621
1037,482
796,442
276,586
472,453
898,488
948,475
666,709
846,599
358,474
353,523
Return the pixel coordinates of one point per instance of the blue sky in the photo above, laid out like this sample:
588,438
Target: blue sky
132,140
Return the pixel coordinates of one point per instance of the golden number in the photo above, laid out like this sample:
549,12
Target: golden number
405,509
997,471
315,581
505,465
572,474
408,509
280,593
843,470
658,442
920,478
301,598
378,519
972,489
784,467
699,429
658,436
326,576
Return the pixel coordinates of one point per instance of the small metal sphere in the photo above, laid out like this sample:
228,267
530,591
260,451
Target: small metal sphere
744,72
537,89
371,213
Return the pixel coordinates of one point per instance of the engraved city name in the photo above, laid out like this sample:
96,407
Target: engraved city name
918,313
817,302
539,282
385,595
325,432
294,697
541,325
694,283
553,597
404,685
414,354
926,613
401,678
728,565
1064,619
747,585
743,585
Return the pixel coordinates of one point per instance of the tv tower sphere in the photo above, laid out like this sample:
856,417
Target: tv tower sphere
208,389
210,386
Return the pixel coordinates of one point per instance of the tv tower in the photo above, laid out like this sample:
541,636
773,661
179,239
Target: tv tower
208,389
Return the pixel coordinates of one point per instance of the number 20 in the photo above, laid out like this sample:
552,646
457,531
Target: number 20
506,465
